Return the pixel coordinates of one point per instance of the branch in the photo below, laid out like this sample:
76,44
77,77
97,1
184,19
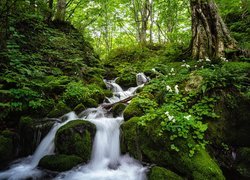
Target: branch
107,106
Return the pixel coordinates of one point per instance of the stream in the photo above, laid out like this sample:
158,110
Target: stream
106,161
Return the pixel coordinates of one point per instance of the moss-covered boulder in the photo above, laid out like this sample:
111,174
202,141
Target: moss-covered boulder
59,162
79,108
127,80
138,106
118,109
76,138
160,173
59,110
145,143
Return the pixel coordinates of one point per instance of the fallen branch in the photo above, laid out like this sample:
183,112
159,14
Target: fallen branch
107,106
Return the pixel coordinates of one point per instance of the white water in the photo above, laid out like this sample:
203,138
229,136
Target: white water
106,162
26,168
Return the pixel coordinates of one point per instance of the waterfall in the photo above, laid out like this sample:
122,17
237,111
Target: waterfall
106,162
26,168
141,79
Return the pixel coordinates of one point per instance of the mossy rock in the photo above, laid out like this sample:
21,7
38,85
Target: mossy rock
127,80
90,103
118,109
59,162
132,110
6,149
145,144
160,173
232,127
138,106
59,110
76,138
79,108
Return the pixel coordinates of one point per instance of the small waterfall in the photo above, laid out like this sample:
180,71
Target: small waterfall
26,168
106,162
141,78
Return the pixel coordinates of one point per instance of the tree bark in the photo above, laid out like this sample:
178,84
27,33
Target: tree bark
210,36
61,10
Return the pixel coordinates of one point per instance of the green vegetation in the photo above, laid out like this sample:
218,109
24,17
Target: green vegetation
160,173
189,120
59,162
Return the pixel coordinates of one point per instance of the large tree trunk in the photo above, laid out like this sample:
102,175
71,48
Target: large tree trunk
210,36
61,10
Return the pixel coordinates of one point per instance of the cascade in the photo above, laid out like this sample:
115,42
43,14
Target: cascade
106,162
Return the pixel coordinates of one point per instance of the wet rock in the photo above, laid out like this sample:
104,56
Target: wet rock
76,138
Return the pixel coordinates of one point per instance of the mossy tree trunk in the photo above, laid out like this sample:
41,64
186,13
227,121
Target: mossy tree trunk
61,10
210,36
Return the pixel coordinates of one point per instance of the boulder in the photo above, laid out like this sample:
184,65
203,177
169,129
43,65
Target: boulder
59,162
59,110
117,109
160,173
76,138
145,143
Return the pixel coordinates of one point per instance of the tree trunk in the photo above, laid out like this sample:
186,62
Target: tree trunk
50,15
61,10
145,13
210,36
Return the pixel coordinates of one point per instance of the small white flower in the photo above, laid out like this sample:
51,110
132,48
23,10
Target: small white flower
174,120
183,61
176,89
169,89
173,74
207,59
172,70
187,66
153,69
183,65
195,66
167,113
187,117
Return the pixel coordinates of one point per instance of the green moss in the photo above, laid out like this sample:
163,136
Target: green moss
145,143
76,138
118,109
138,106
59,162
6,149
79,108
127,80
90,103
59,110
160,173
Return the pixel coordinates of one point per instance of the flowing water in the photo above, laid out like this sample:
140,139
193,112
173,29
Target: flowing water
106,162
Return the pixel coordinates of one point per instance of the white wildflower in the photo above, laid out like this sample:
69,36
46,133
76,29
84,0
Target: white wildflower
176,89
207,59
167,113
172,70
187,117
183,61
169,89
153,69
